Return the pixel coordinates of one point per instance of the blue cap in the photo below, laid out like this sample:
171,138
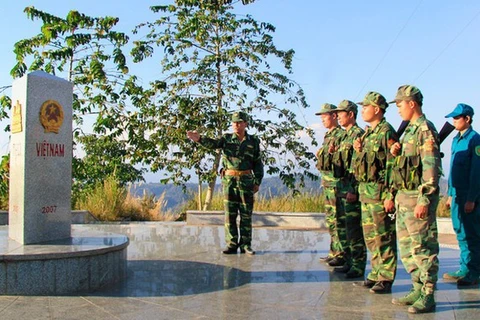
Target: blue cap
461,109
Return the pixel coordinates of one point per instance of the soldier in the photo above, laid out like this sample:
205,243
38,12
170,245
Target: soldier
351,236
242,175
372,165
464,195
325,164
415,177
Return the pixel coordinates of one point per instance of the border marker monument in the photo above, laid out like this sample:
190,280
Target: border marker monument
41,253
40,159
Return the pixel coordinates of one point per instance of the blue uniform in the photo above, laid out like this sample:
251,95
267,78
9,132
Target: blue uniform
464,186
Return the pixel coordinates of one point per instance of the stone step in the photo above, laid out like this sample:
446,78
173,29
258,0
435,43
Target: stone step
290,220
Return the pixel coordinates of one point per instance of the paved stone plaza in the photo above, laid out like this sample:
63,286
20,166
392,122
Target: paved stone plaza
177,271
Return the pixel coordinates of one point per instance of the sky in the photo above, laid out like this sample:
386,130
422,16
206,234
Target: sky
343,48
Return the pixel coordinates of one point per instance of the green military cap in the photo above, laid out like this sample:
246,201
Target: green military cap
347,105
408,92
239,116
326,108
375,99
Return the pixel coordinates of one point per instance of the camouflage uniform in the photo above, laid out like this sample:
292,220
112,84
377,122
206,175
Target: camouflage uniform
372,166
241,156
415,176
351,235
335,215
414,180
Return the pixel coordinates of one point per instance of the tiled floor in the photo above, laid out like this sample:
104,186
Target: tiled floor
178,272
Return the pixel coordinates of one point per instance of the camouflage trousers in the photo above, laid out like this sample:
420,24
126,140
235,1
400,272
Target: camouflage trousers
238,200
354,244
380,239
418,240
335,221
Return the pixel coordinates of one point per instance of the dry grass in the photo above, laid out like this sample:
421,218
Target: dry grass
105,201
147,208
305,202
108,201
442,210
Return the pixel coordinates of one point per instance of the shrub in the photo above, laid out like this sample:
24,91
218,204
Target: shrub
442,210
109,201
104,201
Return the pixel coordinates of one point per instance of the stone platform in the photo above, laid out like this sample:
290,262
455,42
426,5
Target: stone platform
176,271
85,262
286,220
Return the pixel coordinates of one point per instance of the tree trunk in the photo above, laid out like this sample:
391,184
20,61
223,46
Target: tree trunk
216,163
199,195
211,185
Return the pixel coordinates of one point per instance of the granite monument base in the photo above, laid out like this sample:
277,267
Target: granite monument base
85,262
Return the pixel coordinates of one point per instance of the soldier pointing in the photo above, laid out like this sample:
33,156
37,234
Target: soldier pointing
242,175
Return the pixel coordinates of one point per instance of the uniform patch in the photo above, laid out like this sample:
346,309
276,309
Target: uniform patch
477,150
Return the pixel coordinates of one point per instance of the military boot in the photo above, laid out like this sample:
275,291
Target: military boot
410,297
407,299
469,280
336,262
424,304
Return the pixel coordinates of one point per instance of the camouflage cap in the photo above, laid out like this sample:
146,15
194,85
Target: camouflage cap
461,109
239,116
326,108
408,92
375,99
347,105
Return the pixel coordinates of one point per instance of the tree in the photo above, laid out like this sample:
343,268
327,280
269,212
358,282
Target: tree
214,63
88,52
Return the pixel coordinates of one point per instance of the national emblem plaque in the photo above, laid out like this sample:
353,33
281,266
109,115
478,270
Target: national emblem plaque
51,116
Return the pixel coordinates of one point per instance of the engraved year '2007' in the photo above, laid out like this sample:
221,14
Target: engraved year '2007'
49,209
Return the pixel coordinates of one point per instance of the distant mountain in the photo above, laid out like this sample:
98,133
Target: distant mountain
174,195
271,187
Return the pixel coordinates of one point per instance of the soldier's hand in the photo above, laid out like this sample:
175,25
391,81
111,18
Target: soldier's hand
256,187
357,145
332,148
469,206
420,211
389,205
193,135
448,204
395,149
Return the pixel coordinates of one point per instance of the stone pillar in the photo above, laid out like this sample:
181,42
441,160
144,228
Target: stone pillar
40,159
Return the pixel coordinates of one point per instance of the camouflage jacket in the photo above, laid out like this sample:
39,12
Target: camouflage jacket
238,155
325,156
372,166
419,165
343,158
